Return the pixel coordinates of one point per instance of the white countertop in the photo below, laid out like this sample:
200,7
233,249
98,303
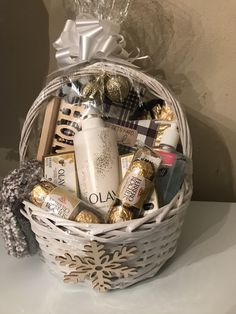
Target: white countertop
200,279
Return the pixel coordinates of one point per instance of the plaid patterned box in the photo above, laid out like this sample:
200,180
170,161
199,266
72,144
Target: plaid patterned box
146,131
124,110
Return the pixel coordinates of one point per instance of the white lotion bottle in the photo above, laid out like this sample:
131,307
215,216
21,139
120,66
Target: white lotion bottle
97,163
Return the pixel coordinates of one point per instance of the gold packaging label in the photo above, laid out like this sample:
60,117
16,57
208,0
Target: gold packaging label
125,161
60,170
60,203
134,190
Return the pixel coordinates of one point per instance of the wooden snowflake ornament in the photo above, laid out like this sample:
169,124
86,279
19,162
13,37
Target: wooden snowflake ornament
99,266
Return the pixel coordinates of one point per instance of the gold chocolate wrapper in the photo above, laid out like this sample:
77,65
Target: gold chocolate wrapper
86,216
91,89
117,88
94,87
63,203
40,192
136,186
119,213
143,168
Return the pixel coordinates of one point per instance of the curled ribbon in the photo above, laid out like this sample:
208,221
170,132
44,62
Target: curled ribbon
83,40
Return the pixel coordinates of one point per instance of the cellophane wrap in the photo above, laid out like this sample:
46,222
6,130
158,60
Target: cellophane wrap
113,10
98,74
93,35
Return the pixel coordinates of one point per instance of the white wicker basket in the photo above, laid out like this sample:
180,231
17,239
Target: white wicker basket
117,255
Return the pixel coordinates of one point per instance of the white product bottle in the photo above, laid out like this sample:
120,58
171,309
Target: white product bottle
97,163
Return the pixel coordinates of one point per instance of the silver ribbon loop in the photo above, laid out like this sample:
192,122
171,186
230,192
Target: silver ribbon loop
83,40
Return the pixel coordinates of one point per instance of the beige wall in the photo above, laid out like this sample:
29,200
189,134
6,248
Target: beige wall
204,78
24,64
193,46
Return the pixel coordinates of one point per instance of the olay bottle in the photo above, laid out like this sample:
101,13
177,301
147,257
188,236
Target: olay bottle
172,171
97,162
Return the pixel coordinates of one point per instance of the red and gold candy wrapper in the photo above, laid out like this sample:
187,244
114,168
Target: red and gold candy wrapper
135,187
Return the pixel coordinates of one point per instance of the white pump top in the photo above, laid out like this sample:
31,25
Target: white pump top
170,136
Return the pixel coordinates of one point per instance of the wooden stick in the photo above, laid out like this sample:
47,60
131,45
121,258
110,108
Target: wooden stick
48,128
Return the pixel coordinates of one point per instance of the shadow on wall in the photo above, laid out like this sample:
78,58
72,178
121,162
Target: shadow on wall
213,177
166,30
25,56
212,163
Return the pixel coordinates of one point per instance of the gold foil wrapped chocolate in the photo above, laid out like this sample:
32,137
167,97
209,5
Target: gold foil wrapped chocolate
143,168
86,216
63,203
94,89
40,192
117,88
135,187
91,89
120,213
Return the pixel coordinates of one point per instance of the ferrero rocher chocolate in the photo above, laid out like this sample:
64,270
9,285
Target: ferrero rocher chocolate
135,187
63,203
86,216
143,168
119,213
117,88
40,192
152,201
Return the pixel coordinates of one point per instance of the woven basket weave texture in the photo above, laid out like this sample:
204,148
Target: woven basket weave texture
154,236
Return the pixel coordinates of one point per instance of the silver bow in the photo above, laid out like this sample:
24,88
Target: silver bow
82,40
